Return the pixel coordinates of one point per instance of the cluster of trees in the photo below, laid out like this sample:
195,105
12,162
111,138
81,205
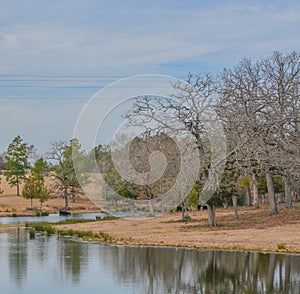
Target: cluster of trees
258,104
59,170
140,150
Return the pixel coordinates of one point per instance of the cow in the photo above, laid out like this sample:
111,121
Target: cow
204,207
64,213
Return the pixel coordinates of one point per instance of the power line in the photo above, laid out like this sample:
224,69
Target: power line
48,81
54,80
49,87
77,76
63,76
57,98
45,98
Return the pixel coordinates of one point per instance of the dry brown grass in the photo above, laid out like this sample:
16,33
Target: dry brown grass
10,203
255,230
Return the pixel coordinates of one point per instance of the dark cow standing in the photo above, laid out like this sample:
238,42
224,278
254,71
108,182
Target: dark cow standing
204,207
64,213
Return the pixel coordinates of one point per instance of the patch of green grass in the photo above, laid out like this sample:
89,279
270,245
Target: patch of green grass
281,246
74,221
103,236
89,235
41,213
42,227
246,216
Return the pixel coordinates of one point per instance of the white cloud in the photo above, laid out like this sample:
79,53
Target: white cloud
144,39
130,37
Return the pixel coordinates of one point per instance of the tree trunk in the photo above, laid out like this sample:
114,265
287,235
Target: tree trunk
18,187
225,204
248,197
211,215
271,193
255,191
151,207
31,202
235,206
183,211
66,196
287,193
73,195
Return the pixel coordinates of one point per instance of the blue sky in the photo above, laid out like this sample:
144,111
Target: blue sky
84,45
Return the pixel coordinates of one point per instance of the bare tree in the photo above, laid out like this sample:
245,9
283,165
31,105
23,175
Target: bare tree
260,102
188,111
57,154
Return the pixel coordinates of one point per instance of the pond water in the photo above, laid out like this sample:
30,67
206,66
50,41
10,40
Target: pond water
51,218
57,264
54,218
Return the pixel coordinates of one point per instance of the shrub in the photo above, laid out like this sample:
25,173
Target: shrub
281,246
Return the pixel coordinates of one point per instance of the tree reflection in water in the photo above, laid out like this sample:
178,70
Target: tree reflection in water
17,256
168,270
71,264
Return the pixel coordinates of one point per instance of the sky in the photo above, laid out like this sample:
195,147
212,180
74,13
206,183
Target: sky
56,55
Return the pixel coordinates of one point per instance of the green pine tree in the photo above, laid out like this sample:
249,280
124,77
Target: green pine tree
40,169
17,163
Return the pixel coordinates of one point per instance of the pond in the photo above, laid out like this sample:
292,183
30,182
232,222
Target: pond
51,218
55,264
55,218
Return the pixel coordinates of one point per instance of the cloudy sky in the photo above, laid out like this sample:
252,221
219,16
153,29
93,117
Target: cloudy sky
55,55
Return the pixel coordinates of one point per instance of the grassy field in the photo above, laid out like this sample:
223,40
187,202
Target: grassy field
11,204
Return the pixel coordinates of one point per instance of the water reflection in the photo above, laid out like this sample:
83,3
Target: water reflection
55,264
74,258
51,218
18,256
210,271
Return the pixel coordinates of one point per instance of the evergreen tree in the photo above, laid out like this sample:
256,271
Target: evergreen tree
17,163
40,169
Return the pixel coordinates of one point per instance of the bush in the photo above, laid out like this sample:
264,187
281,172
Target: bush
281,247
41,213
